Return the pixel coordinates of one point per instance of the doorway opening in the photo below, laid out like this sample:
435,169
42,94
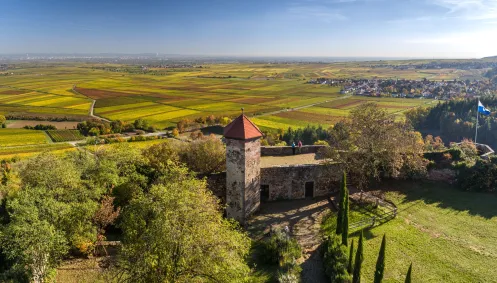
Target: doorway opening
264,192
309,189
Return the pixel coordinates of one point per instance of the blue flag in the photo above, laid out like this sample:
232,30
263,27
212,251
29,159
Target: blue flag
482,109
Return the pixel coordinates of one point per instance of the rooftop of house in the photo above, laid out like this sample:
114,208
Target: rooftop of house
242,129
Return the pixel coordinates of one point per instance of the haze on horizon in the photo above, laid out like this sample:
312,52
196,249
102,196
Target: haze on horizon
314,28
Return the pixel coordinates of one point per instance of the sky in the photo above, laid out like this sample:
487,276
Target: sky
314,28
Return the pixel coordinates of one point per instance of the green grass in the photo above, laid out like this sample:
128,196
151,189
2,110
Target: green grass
448,235
19,137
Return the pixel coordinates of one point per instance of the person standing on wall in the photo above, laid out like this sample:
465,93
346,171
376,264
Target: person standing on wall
300,147
293,148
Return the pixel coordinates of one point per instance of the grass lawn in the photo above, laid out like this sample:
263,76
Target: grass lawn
448,235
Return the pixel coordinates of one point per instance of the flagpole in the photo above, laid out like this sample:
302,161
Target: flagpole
477,118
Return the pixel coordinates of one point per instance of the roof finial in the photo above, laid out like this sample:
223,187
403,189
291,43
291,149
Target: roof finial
242,110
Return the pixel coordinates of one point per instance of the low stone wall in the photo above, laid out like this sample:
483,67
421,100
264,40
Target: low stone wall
289,182
287,150
485,150
217,184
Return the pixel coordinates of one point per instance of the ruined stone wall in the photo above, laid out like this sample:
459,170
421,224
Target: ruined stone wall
288,182
287,150
242,178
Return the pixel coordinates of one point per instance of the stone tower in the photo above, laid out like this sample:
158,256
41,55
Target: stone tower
243,156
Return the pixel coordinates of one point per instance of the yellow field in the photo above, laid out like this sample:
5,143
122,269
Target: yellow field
19,137
68,89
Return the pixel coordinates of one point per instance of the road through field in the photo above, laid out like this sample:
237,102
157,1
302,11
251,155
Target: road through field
92,108
300,107
95,116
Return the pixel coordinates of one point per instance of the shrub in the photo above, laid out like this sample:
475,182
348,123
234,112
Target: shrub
175,132
41,127
456,153
321,142
283,250
288,278
280,248
335,260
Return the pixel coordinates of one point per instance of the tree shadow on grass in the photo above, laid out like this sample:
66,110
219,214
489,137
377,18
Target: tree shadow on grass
445,196
366,233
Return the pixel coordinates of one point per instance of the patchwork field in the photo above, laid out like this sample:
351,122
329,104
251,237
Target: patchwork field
277,94
20,137
65,135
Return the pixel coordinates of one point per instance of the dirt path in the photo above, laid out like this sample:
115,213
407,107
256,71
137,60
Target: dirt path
304,218
92,107
93,114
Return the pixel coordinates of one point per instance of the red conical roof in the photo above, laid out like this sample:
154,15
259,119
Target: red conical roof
242,129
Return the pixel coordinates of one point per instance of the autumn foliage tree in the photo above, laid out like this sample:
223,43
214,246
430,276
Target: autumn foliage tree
176,233
373,145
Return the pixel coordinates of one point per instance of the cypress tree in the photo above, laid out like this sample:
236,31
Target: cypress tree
350,267
345,222
380,263
408,276
341,204
359,257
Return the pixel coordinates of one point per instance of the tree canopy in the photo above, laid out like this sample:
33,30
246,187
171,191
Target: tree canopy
372,145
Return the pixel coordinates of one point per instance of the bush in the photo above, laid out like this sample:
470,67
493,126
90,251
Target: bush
283,250
321,142
175,132
482,177
41,127
280,248
336,260
456,153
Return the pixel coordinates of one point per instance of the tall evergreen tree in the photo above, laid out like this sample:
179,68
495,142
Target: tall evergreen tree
359,257
350,266
345,221
380,263
341,204
408,276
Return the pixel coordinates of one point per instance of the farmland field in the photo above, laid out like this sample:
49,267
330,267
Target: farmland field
65,135
277,94
18,124
29,151
20,137
448,235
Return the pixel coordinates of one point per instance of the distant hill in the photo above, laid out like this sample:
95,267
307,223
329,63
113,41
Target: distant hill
490,58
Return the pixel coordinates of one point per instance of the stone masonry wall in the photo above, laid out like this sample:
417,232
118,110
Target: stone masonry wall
287,150
252,176
235,178
288,182
217,184
285,182
242,178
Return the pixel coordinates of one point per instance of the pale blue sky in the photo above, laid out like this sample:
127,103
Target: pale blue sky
369,28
